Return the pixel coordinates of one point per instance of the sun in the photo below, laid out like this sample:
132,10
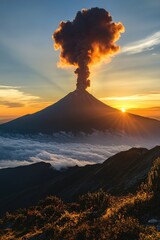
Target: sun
123,110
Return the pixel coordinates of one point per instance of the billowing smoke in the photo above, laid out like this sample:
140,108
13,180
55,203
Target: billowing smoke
88,39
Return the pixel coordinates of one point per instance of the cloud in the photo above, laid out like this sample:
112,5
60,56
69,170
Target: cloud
11,104
140,97
142,45
5,86
14,97
63,150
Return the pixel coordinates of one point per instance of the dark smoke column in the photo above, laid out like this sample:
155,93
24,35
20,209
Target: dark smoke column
83,73
88,39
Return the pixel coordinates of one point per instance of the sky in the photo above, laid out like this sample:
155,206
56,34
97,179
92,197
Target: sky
31,80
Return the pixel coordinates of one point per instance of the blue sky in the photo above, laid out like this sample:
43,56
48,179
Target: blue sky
28,62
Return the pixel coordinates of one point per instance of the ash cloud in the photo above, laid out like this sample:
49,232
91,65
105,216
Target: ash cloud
86,40
63,150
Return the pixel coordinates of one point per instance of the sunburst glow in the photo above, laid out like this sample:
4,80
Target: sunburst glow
123,110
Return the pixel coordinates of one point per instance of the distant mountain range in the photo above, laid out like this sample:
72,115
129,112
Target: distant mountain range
120,174
80,111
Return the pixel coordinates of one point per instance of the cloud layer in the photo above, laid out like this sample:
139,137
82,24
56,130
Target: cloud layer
61,150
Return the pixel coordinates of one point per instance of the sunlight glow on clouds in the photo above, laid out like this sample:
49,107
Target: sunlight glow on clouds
145,44
145,97
137,101
14,97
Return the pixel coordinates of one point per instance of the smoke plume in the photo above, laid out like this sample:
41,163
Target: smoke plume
88,39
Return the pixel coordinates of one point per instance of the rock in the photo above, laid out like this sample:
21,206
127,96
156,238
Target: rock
153,221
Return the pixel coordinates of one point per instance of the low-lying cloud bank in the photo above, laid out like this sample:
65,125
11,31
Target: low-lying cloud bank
64,150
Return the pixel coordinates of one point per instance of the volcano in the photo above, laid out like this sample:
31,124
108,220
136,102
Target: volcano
79,111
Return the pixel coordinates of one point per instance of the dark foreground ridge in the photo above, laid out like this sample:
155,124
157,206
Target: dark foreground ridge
80,111
120,174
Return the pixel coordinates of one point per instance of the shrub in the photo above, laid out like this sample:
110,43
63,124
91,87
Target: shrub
96,201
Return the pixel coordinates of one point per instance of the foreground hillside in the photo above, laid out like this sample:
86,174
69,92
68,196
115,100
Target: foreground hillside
93,216
118,175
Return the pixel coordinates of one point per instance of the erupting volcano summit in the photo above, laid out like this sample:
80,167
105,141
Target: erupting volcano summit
89,39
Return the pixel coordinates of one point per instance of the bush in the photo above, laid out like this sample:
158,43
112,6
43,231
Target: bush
96,201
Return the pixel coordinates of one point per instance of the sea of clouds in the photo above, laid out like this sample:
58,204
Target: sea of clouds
64,150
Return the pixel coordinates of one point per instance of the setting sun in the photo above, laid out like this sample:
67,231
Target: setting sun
123,110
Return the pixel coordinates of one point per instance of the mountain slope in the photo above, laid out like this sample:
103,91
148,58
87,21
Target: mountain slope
120,174
80,111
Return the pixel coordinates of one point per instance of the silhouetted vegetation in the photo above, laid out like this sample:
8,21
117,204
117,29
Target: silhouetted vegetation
95,216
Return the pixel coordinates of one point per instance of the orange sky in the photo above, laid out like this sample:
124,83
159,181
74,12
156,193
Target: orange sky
30,79
30,104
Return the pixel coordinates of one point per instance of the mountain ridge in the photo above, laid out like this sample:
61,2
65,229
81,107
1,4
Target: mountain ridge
118,175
